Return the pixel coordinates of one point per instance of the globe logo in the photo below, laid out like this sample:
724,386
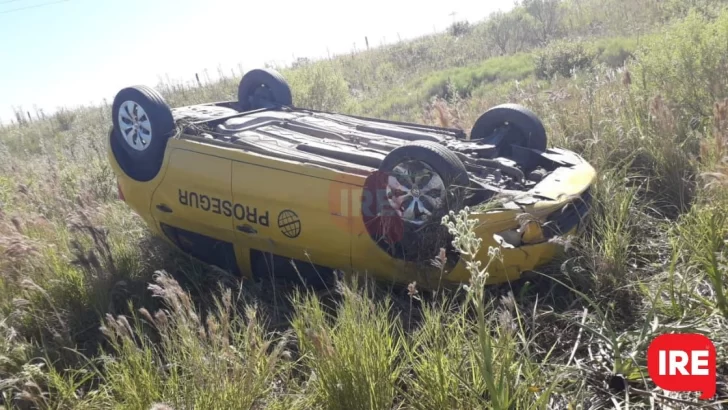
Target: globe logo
289,223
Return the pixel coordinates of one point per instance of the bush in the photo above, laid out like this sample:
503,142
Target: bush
614,52
319,86
548,15
562,58
459,28
512,31
687,63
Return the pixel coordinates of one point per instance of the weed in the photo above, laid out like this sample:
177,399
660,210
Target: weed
636,87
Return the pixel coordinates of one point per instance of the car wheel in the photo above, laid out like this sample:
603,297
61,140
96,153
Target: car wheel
142,124
521,127
263,88
416,186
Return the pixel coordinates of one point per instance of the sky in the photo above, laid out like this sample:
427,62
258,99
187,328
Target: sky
66,53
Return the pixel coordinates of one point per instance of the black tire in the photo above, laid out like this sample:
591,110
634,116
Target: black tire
525,128
436,155
263,88
142,165
422,242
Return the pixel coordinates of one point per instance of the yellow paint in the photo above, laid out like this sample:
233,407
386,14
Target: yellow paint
532,233
326,203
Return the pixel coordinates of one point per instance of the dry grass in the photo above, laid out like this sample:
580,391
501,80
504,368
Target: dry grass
95,313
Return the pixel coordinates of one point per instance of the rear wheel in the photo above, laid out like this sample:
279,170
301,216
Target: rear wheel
510,124
142,124
404,202
263,88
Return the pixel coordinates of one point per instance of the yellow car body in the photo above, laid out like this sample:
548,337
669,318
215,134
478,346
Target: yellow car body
225,204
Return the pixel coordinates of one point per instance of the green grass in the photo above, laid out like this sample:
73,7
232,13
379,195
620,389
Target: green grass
95,313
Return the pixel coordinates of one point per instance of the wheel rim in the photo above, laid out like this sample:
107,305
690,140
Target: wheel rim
135,126
415,191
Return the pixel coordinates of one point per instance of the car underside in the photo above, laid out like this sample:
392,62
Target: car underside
358,145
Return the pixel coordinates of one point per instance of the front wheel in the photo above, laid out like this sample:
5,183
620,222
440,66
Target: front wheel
142,124
417,184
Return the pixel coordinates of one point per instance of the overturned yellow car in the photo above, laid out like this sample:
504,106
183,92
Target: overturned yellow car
253,184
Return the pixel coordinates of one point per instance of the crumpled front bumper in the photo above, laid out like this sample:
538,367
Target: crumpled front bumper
569,217
527,245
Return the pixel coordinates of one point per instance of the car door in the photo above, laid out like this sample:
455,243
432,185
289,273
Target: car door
288,214
193,206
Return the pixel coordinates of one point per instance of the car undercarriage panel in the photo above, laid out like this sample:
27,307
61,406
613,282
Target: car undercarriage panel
358,145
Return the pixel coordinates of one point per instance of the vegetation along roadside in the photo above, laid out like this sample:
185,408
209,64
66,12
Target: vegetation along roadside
95,313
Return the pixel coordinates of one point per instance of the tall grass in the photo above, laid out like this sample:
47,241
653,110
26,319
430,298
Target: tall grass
95,313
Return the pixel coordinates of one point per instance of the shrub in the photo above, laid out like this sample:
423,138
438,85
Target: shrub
459,28
65,118
562,58
320,86
548,15
512,31
614,52
687,63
